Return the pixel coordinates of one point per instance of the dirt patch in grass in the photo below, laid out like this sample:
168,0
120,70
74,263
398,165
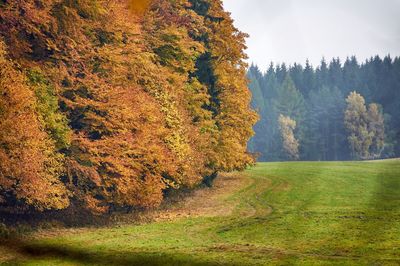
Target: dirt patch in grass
284,186
206,202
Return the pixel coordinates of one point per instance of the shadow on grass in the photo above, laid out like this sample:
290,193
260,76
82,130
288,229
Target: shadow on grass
48,253
385,202
373,229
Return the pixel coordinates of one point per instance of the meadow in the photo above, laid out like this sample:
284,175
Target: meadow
294,213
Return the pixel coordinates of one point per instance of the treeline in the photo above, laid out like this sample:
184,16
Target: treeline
108,104
311,113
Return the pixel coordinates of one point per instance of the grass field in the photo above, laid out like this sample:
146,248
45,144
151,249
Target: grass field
300,213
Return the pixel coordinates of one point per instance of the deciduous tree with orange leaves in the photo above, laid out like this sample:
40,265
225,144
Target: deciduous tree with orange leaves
29,165
130,99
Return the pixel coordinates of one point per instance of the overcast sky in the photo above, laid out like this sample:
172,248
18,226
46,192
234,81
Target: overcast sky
293,30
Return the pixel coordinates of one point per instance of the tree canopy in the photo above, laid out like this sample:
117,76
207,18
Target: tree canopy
108,104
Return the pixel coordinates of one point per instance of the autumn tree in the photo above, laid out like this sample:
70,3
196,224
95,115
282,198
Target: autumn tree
129,142
376,127
361,129
229,97
290,143
137,97
29,165
55,123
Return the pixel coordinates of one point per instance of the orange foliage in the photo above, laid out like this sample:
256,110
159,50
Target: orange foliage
29,166
139,6
230,96
142,115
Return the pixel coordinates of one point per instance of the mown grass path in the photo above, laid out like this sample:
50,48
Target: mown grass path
334,213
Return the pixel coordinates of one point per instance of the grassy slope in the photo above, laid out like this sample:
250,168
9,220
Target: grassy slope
281,213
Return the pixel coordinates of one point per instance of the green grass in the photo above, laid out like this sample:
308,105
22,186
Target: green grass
300,213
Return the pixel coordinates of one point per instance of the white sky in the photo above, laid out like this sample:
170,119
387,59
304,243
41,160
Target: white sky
293,30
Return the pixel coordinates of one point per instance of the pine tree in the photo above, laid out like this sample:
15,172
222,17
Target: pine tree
289,101
322,75
281,72
336,74
308,83
256,145
325,131
296,73
351,75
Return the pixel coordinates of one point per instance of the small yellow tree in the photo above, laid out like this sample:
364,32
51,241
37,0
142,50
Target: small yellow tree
290,143
356,122
365,127
376,127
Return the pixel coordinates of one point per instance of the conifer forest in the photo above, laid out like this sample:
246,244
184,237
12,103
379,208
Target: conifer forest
343,110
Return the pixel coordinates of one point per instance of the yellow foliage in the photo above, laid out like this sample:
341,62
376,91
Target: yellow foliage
290,143
29,166
144,114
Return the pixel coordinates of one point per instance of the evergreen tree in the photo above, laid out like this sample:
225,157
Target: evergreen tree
255,77
289,100
322,75
270,83
351,80
308,83
281,72
325,129
257,145
336,74
296,73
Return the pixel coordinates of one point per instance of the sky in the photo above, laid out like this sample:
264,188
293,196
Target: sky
289,31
